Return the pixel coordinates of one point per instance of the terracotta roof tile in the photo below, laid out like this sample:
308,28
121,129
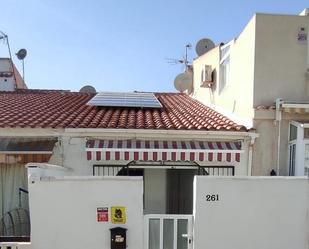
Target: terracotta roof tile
64,109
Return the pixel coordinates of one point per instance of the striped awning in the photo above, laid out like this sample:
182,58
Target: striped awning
145,150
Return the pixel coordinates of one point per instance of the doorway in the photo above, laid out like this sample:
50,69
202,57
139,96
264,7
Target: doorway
179,192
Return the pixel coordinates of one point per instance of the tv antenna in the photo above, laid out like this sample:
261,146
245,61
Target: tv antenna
184,60
5,39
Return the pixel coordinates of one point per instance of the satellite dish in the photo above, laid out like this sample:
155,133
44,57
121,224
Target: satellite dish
203,46
88,89
183,81
21,54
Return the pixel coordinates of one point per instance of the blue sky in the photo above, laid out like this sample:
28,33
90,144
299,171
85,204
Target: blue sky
120,45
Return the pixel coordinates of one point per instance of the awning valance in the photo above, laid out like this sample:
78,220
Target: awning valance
146,150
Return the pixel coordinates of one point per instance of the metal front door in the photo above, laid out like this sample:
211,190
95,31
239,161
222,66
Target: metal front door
163,231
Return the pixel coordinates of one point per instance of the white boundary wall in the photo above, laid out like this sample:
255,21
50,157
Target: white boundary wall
15,245
255,213
64,210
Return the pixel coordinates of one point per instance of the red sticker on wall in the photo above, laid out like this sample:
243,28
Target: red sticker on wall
102,214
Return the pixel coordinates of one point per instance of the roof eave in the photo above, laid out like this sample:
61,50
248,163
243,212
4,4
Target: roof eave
150,133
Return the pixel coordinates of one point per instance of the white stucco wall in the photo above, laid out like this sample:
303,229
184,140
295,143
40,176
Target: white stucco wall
15,245
255,213
211,58
266,62
265,149
237,97
73,155
35,170
281,62
280,59
63,211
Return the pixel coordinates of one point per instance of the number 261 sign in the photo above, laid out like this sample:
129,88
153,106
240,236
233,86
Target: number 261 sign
212,197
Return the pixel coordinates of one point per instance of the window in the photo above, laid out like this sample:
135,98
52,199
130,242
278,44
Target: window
206,76
224,67
298,149
202,77
306,133
224,74
225,51
293,132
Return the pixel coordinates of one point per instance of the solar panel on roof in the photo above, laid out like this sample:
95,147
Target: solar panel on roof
119,99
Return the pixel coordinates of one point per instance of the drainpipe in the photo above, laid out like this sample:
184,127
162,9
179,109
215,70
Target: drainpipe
250,156
278,120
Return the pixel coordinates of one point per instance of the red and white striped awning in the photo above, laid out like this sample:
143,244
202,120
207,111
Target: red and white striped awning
145,150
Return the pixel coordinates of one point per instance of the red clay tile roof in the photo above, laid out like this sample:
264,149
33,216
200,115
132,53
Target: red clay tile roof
64,109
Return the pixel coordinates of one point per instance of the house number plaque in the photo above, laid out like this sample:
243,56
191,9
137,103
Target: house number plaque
213,197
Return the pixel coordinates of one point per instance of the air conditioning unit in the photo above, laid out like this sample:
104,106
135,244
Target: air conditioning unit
207,77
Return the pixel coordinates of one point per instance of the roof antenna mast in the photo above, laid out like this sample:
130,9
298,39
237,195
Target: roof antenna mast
184,60
188,46
5,39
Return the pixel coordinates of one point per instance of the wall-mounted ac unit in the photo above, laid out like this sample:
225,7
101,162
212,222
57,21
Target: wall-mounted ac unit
207,77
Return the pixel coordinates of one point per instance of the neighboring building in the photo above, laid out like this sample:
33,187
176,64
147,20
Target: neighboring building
167,145
261,79
10,78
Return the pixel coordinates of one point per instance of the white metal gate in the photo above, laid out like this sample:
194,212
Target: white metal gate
165,231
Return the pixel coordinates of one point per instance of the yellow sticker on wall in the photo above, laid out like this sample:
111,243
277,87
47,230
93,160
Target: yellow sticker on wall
118,215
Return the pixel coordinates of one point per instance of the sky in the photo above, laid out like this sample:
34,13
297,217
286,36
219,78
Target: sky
120,45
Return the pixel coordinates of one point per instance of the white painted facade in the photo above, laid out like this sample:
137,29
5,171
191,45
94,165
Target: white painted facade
10,78
70,152
252,212
73,156
229,98
267,61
